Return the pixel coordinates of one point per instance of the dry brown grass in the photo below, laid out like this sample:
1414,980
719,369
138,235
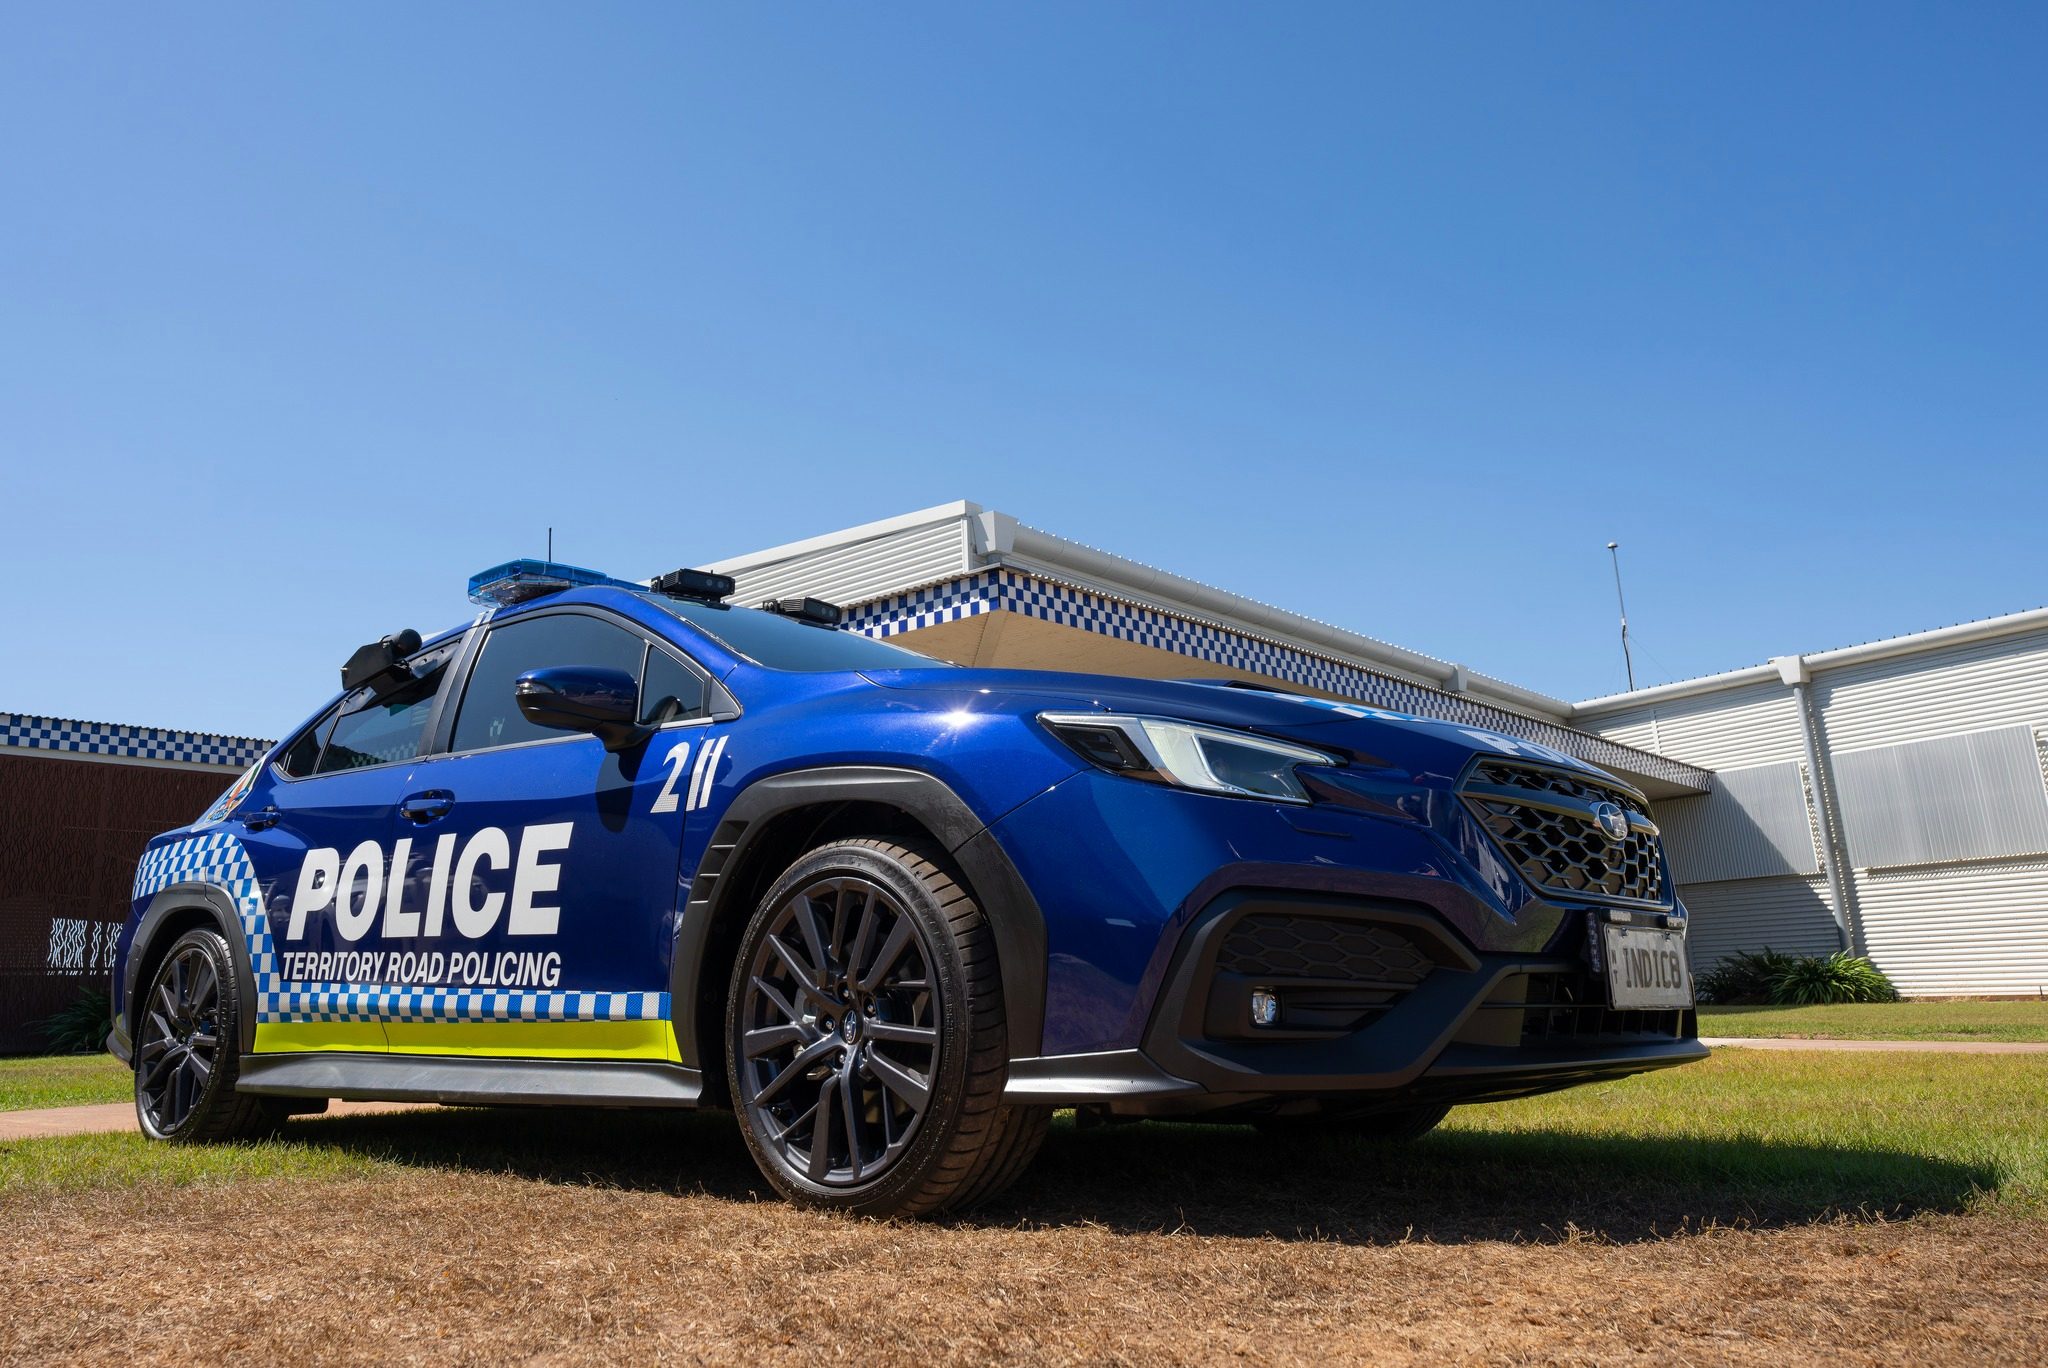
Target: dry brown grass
477,1267
554,1238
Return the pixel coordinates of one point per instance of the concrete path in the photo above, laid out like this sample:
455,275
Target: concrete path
1880,1046
120,1116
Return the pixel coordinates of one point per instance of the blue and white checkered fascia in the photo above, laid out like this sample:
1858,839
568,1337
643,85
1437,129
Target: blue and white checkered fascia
1070,606
66,735
219,860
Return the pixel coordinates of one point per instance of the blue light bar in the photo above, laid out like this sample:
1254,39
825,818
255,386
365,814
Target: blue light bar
501,586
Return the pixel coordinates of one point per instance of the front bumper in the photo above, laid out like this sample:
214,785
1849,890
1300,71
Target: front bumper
1381,1000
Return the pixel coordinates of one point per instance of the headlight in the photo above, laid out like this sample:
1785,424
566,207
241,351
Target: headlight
1187,754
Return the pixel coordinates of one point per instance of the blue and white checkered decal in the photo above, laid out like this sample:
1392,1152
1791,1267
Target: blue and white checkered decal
1072,606
218,859
67,735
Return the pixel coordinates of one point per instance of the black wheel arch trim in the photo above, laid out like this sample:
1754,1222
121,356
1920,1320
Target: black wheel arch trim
1013,914
173,905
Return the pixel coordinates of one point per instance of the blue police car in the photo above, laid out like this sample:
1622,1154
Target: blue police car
631,844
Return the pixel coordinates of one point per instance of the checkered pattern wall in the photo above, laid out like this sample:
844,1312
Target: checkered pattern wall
218,859
1072,606
24,732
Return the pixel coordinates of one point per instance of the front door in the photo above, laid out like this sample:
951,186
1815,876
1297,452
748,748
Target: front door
543,869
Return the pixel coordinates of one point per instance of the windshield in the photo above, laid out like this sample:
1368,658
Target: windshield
781,643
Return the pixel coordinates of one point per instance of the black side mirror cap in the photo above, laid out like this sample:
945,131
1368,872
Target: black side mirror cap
584,698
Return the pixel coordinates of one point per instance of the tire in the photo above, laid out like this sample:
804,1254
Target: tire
873,1084
1393,1127
187,1049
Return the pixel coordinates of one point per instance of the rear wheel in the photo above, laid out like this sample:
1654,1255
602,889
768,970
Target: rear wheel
865,1037
188,1028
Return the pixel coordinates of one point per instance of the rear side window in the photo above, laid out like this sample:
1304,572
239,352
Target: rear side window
380,731
490,713
303,755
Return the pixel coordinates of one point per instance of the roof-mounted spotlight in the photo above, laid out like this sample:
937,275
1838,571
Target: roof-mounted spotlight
380,666
701,585
814,611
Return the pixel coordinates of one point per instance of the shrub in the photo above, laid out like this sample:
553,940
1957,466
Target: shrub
81,1028
1744,979
1840,977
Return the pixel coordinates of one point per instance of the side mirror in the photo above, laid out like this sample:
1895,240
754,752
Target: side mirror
584,698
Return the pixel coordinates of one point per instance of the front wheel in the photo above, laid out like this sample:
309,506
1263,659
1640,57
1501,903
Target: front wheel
865,1037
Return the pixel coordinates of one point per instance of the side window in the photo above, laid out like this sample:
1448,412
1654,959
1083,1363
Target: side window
490,714
300,758
669,691
381,731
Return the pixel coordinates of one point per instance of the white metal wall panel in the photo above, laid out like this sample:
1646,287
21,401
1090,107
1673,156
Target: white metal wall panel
1959,929
1757,724
1631,728
1975,796
865,570
1787,915
1963,688
1753,825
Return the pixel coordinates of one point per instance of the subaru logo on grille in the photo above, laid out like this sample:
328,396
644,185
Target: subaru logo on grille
1612,820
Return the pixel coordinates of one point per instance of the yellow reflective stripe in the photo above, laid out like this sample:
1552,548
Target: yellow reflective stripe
519,1039
537,1039
294,1037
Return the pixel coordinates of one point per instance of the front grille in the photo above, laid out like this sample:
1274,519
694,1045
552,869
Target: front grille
1279,946
1562,1008
1543,821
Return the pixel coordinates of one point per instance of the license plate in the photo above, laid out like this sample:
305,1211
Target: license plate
1646,967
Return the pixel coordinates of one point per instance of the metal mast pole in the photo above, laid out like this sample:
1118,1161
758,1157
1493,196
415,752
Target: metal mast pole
1627,659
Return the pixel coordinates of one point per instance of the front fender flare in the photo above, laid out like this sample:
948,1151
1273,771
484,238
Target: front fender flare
1013,914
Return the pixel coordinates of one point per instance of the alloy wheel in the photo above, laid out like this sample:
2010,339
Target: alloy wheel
839,1042
180,1039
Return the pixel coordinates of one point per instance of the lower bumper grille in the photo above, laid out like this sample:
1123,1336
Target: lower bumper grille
1572,1009
1328,974
1276,945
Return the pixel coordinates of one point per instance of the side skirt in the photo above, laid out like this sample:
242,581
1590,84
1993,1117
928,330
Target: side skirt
423,1078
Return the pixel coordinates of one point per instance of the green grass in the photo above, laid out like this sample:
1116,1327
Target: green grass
1998,1021
1900,1129
1747,1137
76,1163
62,1081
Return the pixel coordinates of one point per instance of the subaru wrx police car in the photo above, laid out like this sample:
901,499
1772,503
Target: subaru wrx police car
631,844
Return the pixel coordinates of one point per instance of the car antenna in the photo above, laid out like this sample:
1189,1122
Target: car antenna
1628,660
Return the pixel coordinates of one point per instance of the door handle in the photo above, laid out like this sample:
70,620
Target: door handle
262,819
426,807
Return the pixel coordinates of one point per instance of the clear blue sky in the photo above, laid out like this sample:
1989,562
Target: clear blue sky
1389,316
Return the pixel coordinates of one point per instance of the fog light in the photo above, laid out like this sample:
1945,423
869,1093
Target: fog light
1265,1007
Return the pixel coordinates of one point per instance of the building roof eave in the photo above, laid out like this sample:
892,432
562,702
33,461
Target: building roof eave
1960,634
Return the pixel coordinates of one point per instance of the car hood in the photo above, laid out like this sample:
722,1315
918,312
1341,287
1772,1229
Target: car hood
1374,736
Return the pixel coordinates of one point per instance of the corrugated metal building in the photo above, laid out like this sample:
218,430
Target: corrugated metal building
977,587
1889,797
